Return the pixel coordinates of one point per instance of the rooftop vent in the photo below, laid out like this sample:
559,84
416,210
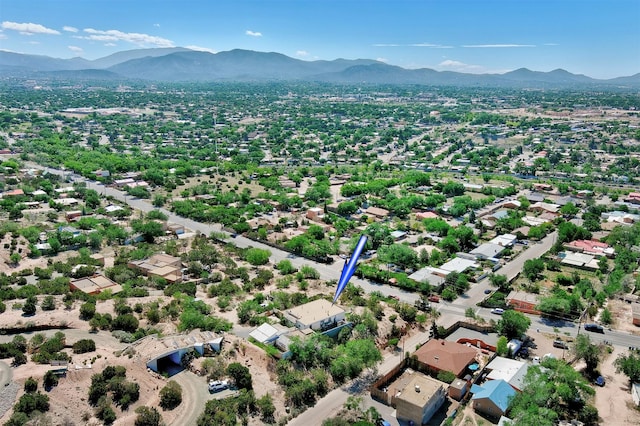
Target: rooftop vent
418,388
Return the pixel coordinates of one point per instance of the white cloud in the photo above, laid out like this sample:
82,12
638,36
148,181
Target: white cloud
302,53
33,42
429,45
28,28
70,29
201,49
156,25
134,38
76,49
551,44
491,46
253,33
452,65
110,44
385,60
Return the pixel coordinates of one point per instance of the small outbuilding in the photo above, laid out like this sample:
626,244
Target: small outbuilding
458,389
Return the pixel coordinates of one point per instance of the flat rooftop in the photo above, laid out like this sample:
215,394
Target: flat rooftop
315,311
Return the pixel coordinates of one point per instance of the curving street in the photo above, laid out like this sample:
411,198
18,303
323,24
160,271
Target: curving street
449,312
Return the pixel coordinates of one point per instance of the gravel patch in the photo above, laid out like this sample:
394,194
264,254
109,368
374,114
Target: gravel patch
8,395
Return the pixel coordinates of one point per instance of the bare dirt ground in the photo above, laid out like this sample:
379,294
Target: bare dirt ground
622,316
68,400
613,401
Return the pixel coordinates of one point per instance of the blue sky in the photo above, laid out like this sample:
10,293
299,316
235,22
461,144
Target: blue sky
599,38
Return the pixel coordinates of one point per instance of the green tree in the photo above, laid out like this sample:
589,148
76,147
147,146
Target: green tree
87,310
147,416
285,267
48,303
533,269
30,385
513,324
148,229
266,407
569,209
240,375
502,347
257,257
500,281
398,254
587,351
49,380
629,364
29,307
550,391
170,395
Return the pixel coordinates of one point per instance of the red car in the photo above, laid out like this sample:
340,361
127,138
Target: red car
434,298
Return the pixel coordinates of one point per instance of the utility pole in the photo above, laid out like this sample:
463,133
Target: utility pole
580,319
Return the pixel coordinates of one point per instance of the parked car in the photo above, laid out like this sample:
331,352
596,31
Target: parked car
434,298
560,344
487,291
218,385
600,381
594,327
497,311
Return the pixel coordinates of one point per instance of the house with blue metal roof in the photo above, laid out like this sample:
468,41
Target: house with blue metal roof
492,398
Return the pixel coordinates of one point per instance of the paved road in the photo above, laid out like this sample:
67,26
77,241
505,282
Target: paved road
534,251
332,402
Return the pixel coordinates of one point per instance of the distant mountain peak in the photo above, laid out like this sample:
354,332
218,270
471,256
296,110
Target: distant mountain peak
183,64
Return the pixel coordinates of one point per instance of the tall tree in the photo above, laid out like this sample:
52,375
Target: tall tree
513,324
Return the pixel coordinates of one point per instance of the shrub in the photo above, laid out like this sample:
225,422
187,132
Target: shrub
446,376
83,346
87,311
147,416
50,380
171,395
30,385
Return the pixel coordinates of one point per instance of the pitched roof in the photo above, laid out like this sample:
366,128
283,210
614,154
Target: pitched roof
509,370
497,391
448,356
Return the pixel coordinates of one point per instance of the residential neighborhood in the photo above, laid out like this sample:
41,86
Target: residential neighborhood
161,256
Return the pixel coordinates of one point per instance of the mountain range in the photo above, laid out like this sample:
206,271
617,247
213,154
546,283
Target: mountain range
185,65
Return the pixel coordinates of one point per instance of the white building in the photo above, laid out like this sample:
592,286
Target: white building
317,315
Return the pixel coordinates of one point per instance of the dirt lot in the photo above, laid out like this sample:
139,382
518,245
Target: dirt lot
69,399
613,401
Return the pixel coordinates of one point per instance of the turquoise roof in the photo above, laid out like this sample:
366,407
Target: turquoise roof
497,391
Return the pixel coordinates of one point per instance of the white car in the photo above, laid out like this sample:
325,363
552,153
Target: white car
218,385
497,311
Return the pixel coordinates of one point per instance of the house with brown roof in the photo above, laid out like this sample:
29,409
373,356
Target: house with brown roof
441,355
95,285
542,207
160,265
377,212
